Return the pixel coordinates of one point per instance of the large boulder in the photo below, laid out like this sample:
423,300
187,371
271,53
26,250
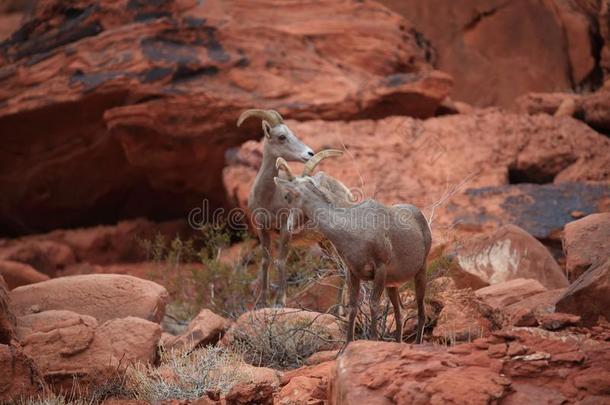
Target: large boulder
167,104
102,296
55,252
586,243
457,161
65,345
589,295
507,254
17,274
45,256
498,50
512,366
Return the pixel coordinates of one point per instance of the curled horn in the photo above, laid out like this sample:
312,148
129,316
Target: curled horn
317,158
280,163
272,117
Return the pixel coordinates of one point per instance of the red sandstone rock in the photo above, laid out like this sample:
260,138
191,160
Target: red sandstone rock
319,295
548,103
506,293
464,317
306,385
17,274
514,365
102,296
250,393
206,328
557,320
152,92
586,243
527,311
45,256
591,108
589,295
66,345
488,47
507,254
379,373
596,109
55,252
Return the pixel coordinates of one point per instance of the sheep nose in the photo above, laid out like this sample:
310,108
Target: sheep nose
310,153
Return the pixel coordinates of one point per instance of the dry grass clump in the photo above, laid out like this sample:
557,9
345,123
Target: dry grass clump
54,399
283,344
186,375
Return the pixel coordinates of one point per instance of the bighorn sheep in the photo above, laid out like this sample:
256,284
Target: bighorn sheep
387,245
268,209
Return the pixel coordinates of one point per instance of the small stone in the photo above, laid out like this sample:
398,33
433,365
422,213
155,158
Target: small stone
516,349
496,351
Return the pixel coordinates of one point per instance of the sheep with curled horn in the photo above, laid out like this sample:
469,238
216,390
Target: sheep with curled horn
268,209
387,245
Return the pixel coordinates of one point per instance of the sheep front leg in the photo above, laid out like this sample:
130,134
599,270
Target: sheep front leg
420,292
281,264
376,292
265,239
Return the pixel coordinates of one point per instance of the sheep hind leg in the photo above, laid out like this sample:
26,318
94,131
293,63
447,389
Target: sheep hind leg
420,293
376,292
394,297
354,295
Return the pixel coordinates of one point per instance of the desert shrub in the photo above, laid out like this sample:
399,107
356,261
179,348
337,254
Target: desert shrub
271,341
195,276
186,375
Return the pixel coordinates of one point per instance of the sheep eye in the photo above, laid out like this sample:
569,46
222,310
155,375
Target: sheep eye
286,197
282,137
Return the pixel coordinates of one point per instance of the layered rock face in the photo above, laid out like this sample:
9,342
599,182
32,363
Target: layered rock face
115,109
510,367
562,45
112,109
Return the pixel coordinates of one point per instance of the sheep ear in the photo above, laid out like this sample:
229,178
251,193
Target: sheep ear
317,178
266,129
281,182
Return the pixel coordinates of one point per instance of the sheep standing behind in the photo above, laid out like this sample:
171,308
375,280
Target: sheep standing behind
385,245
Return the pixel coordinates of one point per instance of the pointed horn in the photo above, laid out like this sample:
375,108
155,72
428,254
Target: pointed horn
271,116
280,163
317,158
